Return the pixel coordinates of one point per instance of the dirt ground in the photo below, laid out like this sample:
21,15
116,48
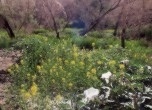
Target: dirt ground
7,59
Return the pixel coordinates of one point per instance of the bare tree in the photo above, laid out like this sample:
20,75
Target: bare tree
19,12
51,13
100,16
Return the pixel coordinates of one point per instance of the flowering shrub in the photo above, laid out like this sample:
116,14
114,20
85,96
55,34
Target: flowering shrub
58,70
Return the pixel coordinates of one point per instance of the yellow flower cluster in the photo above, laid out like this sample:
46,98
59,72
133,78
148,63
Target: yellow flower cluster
72,62
9,70
70,85
93,44
34,89
82,63
28,94
75,48
93,70
58,97
16,65
99,62
112,63
53,80
91,73
121,66
39,67
75,54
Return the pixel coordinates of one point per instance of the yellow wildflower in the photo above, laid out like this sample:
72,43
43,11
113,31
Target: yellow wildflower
66,61
9,70
75,54
93,44
45,39
121,74
93,70
38,67
73,62
26,95
22,91
75,48
16,65
99,62
88,74
33,89
28,74
112,62
82,63
110,46
22,85
141,69
53,80
89,55
22,62
54,69
58,97
60,59
63,79
70,85
122,66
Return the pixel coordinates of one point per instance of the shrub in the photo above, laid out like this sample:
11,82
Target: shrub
87,42
43,32
70,33
4,40
54,64
52,70
96,34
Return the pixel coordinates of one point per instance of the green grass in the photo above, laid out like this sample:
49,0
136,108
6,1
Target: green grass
4,40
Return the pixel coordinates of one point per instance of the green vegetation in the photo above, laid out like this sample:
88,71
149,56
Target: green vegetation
4,40
53,70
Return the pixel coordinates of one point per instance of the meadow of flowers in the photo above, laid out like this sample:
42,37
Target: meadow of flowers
53,74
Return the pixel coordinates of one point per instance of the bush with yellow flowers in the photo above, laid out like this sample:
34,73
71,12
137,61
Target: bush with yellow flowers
58,68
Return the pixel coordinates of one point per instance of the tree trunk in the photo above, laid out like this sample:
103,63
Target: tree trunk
117,23
116,28
123,38
5,25
58,35
53,18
